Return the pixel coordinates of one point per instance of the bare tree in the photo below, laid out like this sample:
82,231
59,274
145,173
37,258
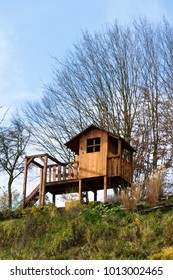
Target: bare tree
97,83
4,198
3,115
166,49
153,114
119,79
13,141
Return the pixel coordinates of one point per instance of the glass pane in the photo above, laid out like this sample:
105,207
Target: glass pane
90,142
97,141
90,149
97,148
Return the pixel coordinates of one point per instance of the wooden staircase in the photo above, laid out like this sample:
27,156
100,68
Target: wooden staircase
32,198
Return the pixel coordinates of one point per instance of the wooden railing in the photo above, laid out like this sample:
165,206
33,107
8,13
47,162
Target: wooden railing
70,171
113,166
63,172
119,167
126,170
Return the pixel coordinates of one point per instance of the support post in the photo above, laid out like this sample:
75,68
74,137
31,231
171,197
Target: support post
95,195
80,191
25,182
43,191
105,183
120,157
53,199
41,183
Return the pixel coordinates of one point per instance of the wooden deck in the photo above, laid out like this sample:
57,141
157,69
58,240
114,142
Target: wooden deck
62,178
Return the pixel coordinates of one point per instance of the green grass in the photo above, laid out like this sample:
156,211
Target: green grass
91,232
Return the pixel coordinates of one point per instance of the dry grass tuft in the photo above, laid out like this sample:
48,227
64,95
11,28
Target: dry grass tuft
154,187
130,197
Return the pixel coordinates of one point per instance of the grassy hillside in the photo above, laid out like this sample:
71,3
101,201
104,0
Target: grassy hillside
88,232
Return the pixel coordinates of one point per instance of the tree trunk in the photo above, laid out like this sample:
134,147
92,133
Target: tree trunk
10,181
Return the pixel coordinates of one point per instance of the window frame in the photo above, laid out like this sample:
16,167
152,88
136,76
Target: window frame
93,145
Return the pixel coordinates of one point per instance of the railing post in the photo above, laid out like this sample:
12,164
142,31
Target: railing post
50,171
54,173
75,169
64,172
59,172
69,171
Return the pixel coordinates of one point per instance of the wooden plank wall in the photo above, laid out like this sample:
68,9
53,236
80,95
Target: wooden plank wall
93,164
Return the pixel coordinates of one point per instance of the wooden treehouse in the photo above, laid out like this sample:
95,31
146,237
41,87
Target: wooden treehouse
103,160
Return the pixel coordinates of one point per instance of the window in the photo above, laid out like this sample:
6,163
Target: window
93,145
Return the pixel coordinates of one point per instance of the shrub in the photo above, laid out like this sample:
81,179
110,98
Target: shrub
130,197
154,187
165,254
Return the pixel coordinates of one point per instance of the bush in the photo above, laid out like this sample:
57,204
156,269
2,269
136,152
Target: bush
154,187
164,254
130,197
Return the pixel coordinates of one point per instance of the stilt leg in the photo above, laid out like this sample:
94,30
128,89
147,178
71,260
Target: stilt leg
105,188
95,195
80,191
53,199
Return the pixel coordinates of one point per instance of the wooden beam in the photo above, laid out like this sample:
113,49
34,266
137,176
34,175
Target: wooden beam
30,159
43,191
54,159
80,191
52,165
41,184
41,158
37,164
37,155
105,184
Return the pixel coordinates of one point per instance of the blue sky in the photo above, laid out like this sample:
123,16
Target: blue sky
33,31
